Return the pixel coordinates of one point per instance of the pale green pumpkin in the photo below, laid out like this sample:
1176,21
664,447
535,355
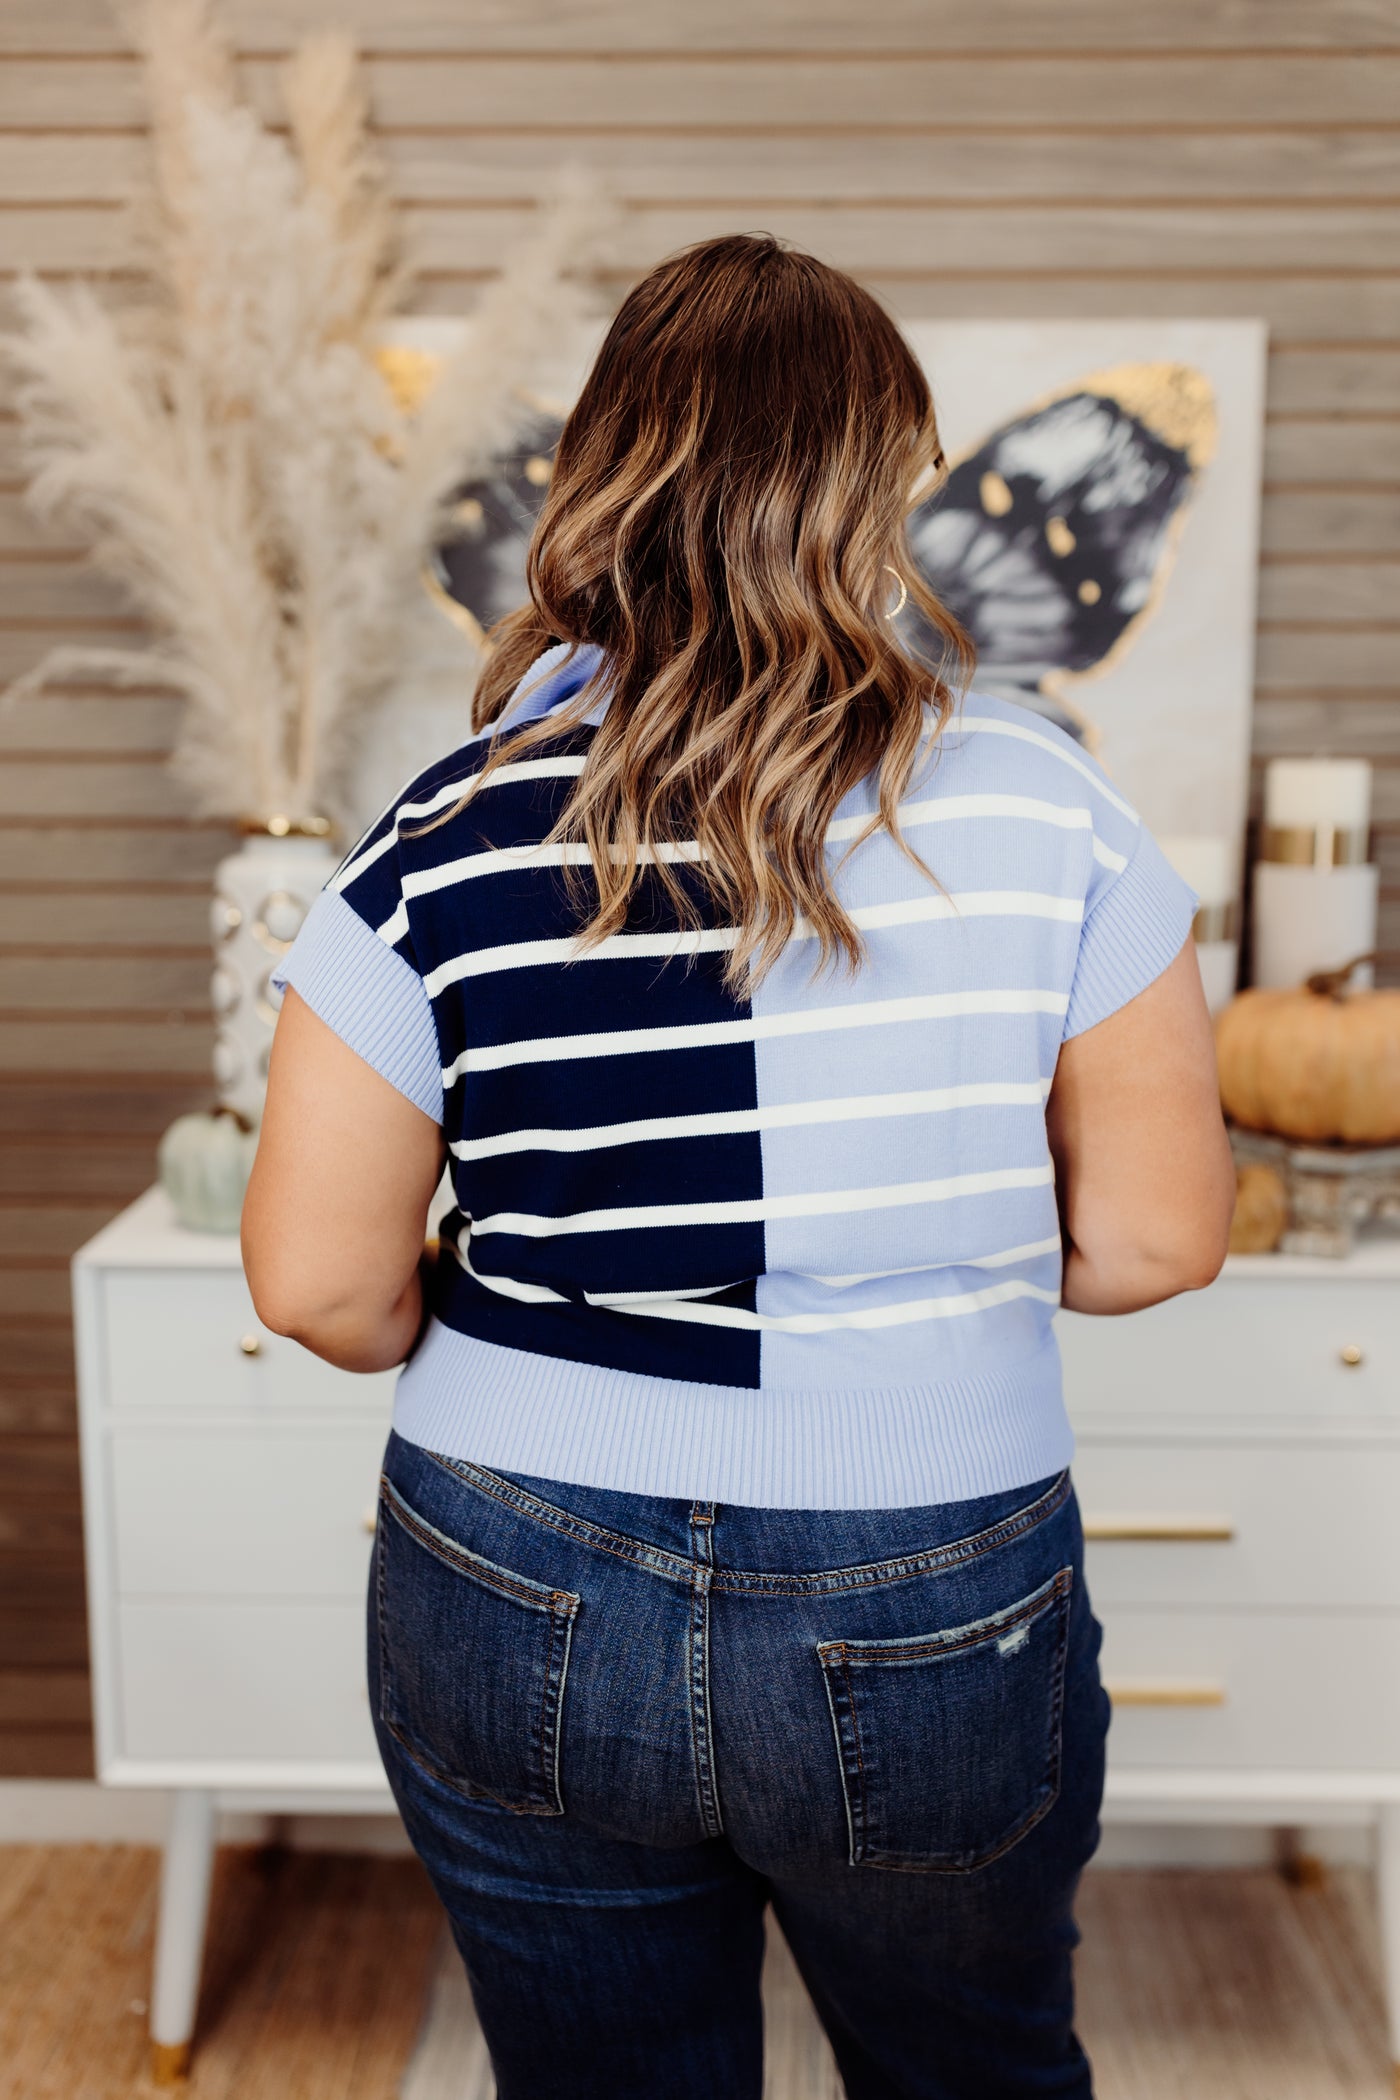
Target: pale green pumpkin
204,1164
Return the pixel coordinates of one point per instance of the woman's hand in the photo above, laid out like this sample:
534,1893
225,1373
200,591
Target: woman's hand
1143,1170
336,1210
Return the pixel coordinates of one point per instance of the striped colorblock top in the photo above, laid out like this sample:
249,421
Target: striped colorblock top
799,1249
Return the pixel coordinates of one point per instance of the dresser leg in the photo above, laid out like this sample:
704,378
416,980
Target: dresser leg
184,1911
1388,1892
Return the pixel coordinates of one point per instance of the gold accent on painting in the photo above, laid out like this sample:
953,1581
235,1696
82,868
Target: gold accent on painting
996,498
468,513
1174,401
408,373
1059,538
537,471
1309,846
1089,592
452,608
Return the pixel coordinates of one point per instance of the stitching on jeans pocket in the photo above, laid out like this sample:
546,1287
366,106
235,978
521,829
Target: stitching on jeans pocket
918,1722
503,1748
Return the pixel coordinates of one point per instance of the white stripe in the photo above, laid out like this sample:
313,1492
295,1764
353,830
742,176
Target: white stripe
503,860
1032,1250
395,927
956,808
787,1115
943,1308
964,904
623,1299
540,1294
453,791
1029,807
1033,736
701,1035
526,955
626,947
506,860
649,1217
507,1286
692,1305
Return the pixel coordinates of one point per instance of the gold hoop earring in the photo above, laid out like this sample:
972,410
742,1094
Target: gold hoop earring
903,592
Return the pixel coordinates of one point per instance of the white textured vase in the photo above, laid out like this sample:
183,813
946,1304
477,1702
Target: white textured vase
261,895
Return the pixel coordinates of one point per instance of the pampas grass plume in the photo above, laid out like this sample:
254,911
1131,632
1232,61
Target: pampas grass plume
226,448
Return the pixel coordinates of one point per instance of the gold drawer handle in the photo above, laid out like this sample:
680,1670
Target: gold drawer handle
369,1520
250,1344
1186,1529
1164,1691
1352,1355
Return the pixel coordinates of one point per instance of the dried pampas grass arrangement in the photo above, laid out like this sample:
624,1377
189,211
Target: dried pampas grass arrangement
226,447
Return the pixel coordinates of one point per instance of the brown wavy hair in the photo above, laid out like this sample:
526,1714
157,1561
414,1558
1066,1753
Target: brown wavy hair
726,508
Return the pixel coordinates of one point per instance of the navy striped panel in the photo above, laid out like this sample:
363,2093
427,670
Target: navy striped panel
510,907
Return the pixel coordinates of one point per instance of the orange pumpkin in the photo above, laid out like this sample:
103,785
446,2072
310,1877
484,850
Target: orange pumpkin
1315,1064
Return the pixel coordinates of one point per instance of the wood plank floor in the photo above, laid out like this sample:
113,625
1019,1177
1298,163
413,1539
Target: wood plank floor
1194,1986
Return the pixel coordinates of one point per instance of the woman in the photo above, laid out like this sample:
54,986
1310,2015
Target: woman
798,1035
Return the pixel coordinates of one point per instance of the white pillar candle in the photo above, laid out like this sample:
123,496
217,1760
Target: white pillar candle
1308,919
1211,866
1318,794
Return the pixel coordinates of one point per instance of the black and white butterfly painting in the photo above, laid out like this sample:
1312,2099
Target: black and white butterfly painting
1050,540
478,574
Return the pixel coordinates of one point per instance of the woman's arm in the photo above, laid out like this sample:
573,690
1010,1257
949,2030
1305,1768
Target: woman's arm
337,1206
1143,1170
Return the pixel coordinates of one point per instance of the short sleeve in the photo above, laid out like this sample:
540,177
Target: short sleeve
1135,927
370,995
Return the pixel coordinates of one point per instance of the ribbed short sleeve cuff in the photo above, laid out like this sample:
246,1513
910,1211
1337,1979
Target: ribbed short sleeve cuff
372,998
1134,931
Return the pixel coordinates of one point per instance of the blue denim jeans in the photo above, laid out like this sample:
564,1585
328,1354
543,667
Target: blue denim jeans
618,1727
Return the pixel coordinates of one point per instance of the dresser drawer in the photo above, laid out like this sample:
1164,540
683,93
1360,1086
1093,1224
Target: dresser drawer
244,1512
258,1681
1307,1524
192,1340
1284,1690
1248,1346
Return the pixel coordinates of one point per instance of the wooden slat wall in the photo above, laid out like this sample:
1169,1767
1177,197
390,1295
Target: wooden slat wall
1008,158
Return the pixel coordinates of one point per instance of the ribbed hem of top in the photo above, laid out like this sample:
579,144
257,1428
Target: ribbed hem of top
872,1448
374,1000
1134,931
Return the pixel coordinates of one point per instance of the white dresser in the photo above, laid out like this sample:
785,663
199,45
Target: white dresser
1239,1472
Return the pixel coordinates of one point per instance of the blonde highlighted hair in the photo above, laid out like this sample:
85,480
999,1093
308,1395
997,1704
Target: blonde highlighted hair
725,522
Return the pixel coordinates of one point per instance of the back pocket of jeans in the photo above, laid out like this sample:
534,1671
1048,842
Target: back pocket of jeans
473,1663
950,1742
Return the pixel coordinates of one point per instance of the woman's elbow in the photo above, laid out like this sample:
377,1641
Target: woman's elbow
288,1297
1199,1264
1188,1258
287,1306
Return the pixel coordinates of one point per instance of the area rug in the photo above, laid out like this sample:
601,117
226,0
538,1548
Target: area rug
450,2061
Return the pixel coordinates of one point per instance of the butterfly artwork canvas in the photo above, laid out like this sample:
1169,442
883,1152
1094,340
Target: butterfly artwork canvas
1096,533
1051,540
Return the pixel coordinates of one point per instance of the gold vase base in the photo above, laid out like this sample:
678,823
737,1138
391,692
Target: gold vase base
170,2062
